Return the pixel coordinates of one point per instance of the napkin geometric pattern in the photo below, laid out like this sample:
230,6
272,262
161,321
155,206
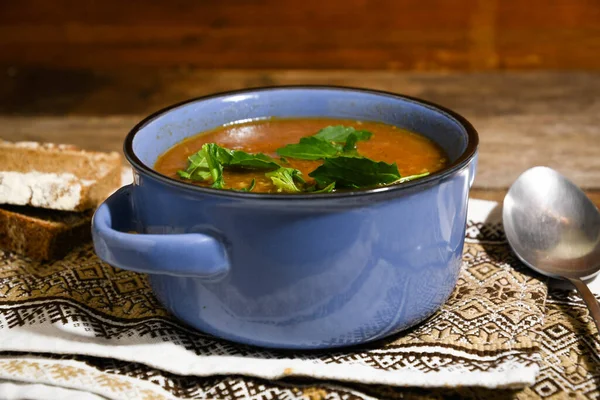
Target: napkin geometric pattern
81,324
484,335
570,350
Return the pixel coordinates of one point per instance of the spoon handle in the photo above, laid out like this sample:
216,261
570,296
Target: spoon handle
589,298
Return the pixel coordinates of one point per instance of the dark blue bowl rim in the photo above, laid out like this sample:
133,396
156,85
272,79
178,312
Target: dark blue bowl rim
464,159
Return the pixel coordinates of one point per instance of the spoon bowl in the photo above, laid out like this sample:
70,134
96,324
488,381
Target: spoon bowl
554,228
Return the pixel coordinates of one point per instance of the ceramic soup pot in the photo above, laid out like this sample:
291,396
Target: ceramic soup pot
284,270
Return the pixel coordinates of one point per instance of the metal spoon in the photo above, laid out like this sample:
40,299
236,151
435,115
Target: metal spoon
554,229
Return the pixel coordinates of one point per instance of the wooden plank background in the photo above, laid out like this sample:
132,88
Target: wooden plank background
465,35
523,118
524,72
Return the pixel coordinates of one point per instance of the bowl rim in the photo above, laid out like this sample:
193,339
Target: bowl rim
464,159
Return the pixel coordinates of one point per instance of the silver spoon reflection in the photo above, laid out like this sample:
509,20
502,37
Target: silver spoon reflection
554,228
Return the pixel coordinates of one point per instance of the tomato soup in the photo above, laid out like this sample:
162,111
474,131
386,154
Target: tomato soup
412,153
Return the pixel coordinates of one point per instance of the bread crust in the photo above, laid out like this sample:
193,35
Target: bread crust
42,234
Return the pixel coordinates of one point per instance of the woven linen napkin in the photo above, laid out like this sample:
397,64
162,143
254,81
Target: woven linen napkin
79,323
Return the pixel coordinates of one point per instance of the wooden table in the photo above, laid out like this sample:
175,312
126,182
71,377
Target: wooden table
523,118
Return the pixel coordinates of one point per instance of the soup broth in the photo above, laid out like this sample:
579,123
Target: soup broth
414,154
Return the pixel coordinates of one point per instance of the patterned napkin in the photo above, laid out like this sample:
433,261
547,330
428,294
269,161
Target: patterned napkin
81,325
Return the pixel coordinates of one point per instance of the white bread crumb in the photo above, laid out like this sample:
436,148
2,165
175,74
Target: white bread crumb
40,146
39,189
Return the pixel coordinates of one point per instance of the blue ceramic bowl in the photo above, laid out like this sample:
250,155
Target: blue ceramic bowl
284,270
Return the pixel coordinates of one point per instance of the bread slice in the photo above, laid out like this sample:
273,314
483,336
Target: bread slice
58,177
42,234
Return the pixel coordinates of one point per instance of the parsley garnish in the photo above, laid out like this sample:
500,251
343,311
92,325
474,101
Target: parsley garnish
342,166
249,188
328,142
340,134
212,158
309,148
355,172
287,180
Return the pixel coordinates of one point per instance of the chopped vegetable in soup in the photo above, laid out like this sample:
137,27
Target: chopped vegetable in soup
311,155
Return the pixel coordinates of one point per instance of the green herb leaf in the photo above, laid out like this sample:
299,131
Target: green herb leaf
327,189
198,160
285,179
340,134
350,146
197,169
197,175
221,154
309,148
241,159
184,174
411,177
247,189
214,157
354,172
326,143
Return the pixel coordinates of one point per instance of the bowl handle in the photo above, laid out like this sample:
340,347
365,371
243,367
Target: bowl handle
189,254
